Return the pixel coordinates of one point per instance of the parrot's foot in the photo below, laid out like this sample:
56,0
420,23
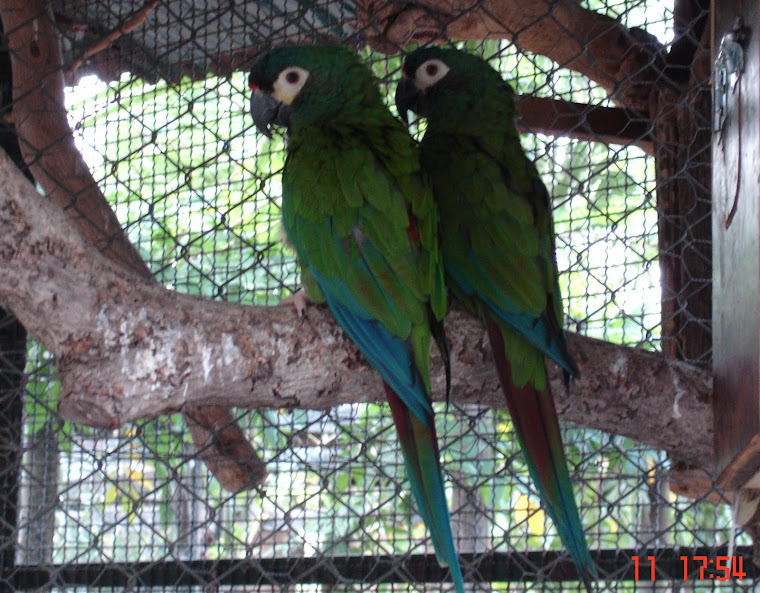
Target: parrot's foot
299,300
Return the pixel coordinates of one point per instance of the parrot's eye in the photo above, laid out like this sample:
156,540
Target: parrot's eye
430,73
289,83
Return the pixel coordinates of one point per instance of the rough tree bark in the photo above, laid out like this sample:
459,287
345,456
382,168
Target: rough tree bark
621,60
48,147
127,348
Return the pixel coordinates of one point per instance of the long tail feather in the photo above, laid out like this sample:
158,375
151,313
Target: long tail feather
419,445
535,420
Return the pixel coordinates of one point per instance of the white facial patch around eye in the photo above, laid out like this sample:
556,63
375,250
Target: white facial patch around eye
429,73
289,83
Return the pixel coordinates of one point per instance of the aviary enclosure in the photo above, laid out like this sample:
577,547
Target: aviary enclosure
155,441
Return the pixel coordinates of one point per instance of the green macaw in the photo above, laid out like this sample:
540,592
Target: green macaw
360,213
497,242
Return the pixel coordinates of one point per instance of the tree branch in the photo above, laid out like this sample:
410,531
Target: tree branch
584,122
623,61
134,21
47,144
128,349
45,137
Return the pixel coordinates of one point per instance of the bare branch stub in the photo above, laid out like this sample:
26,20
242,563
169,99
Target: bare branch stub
224,454
47,144
167,352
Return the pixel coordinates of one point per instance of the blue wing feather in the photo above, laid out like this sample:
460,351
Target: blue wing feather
535,330
387,353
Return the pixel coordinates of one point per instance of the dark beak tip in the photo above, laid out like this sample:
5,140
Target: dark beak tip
264,129
404,115
406,99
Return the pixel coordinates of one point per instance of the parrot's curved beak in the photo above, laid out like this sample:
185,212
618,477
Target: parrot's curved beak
266,110
407,98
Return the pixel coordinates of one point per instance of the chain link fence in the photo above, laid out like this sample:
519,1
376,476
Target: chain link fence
158,107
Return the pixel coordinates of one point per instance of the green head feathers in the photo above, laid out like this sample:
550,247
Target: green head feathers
328,60
298,85
446,80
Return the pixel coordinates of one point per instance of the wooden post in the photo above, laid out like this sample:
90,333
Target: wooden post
681,112
736,253
12,380
12,361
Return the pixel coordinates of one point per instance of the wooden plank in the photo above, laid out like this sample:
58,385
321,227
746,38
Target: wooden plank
682,157
736,253
680,108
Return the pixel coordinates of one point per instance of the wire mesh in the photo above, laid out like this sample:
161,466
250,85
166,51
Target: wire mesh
197,190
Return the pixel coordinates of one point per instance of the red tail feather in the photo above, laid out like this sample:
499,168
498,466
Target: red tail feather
534,416
524,403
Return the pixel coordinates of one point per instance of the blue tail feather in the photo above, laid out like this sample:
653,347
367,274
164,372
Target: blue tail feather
412,414
419,444
387,353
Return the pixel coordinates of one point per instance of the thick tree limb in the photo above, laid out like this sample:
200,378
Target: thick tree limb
127,348
47,145
623,61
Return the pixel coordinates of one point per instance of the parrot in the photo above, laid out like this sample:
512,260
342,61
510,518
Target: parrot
359,211
498,248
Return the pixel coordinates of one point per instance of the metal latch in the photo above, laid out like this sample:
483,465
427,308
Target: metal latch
728,66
